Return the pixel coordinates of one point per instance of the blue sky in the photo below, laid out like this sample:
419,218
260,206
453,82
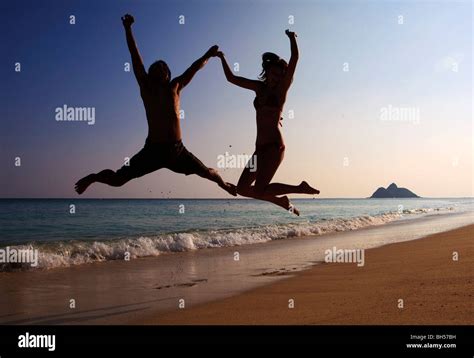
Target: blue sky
337,113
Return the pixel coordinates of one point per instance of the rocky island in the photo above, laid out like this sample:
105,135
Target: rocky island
393,191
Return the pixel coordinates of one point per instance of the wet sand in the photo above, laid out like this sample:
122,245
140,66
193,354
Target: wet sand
435,289
149,290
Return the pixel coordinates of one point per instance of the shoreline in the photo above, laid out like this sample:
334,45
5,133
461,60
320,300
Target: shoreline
434,288
86,251
122,292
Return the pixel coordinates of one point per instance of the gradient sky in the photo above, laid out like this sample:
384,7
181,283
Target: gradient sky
337,113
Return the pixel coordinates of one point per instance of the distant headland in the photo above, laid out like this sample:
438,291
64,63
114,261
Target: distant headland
393,191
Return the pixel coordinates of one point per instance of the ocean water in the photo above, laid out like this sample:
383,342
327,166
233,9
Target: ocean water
101,230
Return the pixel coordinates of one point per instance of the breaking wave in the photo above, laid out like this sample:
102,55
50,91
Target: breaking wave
68,253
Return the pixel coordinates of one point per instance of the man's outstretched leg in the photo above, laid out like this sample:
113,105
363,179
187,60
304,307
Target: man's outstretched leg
213,175
186,163
106,176
142,163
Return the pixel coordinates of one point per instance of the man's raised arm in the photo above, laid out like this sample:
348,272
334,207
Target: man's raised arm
137,62
188,75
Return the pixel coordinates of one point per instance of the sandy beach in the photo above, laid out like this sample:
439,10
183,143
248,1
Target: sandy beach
435,289
399,264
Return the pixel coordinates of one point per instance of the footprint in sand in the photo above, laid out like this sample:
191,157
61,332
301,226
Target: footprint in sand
185,284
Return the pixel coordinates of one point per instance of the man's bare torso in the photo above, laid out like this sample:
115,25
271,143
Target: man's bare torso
162,105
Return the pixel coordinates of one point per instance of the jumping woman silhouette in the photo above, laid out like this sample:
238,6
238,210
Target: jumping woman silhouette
270,90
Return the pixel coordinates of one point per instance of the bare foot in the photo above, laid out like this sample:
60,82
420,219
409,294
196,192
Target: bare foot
293,210
82,184
230,188
308,189
289,206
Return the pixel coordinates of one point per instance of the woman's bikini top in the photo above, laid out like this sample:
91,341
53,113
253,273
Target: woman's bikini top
271,101
267,101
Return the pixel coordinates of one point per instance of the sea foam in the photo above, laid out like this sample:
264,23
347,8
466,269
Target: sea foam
68,253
